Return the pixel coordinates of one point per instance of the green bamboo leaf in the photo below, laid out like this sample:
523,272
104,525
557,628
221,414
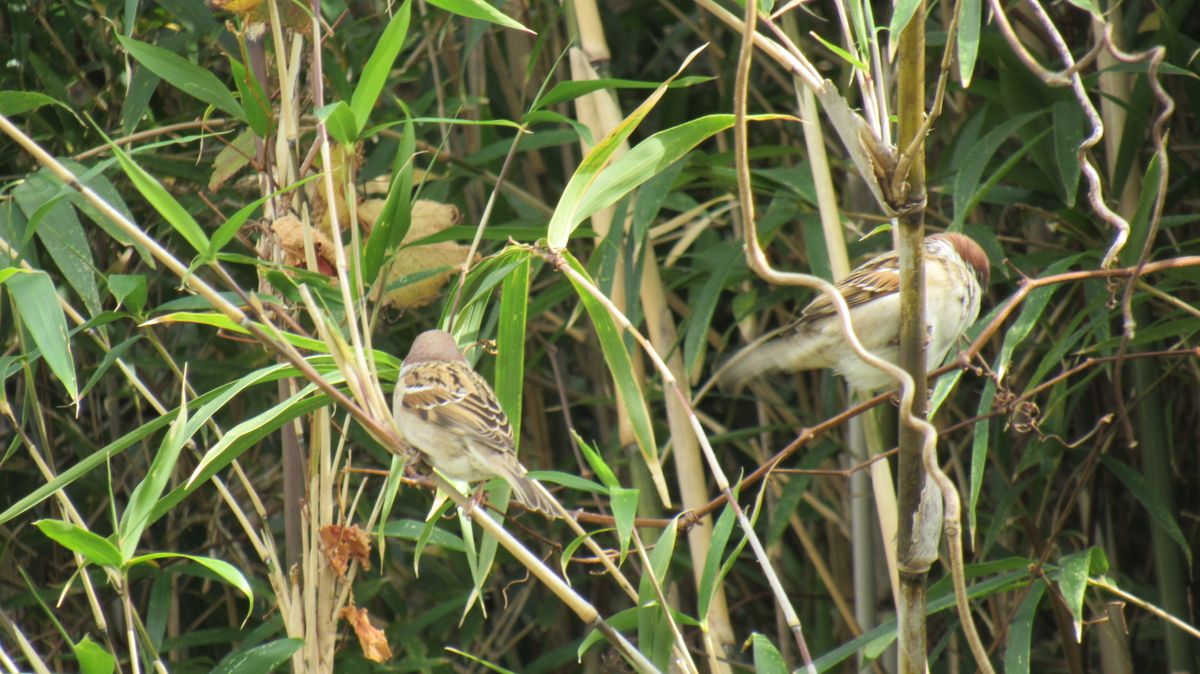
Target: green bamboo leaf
254,99
969,174
660,557
1031,313
92,657
167,206
223,322
184,75
478,9
58,227
379,65
80,469
597,463
654,636
413,530
490,666
1072,577
37,303
568,91
206,405
94,178
95,549
902,13
846,56
146,493
339,121
19,102
226,449
510,341
242,437
1139,224
427,535
230,227
767,659
624,504
970,16
129,290
259,659
569,480
1068,134
110,358
979,454
621,366
223,570
712,574
396,217
649,158
1020,631
391,488
878,639
564,220
719,262
1151,500
621,620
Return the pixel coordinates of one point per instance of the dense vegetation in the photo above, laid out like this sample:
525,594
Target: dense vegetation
199,466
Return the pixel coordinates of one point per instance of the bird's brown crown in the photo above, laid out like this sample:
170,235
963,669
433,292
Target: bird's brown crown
433,345
971,253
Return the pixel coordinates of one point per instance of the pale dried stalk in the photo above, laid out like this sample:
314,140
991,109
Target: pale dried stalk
31,655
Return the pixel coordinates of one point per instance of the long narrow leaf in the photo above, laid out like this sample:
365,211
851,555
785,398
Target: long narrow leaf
478,9
167,206
184,75
510,340
1016,655
621,366
37,303
379,65
565,218
146,494
649,158
96,549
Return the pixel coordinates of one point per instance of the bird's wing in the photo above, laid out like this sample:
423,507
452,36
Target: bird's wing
455,397
878,276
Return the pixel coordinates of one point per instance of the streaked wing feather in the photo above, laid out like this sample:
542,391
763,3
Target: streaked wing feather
457,398
875,278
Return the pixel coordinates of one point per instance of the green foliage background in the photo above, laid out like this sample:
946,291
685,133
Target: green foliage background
1082,443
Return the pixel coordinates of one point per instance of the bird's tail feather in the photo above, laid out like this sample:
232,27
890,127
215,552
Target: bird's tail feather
757,359
531,494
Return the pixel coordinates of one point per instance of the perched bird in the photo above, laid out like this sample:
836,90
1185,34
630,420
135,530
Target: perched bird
956,271
450,413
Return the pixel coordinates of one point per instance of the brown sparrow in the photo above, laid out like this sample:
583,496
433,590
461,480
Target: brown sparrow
956,271
450,413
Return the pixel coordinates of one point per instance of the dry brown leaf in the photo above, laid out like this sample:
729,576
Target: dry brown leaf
428,218
343,544
372,639
290,232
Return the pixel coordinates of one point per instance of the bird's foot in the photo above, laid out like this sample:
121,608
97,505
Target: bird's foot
474,501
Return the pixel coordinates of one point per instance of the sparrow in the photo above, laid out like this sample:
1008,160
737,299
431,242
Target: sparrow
448,412
956,272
